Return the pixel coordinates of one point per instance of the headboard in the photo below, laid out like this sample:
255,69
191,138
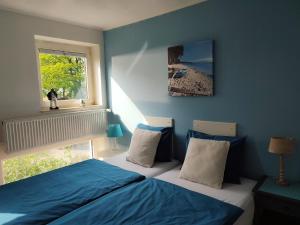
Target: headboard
159,121
215,128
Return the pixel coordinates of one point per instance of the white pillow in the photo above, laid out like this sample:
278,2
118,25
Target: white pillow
205,162
143,147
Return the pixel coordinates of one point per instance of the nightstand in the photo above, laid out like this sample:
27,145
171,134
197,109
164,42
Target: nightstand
276,205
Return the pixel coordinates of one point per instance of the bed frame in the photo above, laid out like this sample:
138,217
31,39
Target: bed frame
215,128
159,121
209,127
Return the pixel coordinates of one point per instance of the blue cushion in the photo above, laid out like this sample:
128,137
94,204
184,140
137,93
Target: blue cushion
233,162
164,149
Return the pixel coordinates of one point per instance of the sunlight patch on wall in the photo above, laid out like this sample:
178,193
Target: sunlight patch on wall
137,58
123,106
139,73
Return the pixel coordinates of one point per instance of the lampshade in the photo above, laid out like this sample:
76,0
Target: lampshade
114,130
281,145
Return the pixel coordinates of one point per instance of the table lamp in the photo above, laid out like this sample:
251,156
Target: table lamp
113,132
281,146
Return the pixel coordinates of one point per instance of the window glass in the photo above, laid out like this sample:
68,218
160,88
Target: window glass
32,164
65,72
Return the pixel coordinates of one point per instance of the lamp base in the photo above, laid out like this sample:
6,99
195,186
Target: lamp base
114,144
282,182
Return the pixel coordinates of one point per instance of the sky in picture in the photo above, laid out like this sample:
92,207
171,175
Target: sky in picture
200,51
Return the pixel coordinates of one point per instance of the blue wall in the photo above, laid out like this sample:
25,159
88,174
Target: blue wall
257,75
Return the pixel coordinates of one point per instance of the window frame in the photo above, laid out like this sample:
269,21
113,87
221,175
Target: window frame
91,76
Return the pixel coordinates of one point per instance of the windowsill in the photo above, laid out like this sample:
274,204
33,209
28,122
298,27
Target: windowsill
70,109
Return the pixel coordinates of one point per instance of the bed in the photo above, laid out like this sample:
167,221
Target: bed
153,201
46,197
157,201
167,199
239,195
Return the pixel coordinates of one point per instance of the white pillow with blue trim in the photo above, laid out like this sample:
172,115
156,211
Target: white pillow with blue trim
205,161
143,147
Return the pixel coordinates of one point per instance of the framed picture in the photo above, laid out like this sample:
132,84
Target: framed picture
190,69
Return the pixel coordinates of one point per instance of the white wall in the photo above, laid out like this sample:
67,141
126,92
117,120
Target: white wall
19,87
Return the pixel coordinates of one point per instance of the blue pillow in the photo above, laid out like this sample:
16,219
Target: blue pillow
233,162
164,149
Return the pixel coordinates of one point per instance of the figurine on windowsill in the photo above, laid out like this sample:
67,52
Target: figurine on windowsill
82,103
52,97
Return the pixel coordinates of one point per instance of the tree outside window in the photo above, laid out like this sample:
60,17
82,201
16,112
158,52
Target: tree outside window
66,74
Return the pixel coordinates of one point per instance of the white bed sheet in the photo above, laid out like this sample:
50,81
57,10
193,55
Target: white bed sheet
157,169
238,195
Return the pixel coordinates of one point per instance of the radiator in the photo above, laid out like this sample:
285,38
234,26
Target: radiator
25,133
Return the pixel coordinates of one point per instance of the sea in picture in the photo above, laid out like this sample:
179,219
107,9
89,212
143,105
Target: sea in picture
190,69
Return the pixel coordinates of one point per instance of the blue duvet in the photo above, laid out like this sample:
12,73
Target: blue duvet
46,197
153,202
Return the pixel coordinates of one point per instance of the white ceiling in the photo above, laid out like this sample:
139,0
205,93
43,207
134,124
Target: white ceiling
100,14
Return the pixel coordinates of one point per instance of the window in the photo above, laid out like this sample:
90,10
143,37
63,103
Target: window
31,164
70,70
66,72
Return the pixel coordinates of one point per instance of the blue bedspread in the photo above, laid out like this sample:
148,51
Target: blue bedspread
153,202
43,198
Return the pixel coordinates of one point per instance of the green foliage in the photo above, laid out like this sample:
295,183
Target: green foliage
65,74
33,164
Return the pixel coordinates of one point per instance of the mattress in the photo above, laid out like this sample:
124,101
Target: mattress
236,194
157,169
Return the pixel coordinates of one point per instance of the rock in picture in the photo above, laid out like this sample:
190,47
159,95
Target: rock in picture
190,68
